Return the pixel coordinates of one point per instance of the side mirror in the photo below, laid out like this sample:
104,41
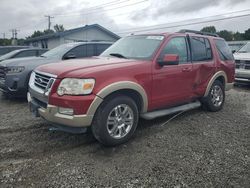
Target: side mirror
70,56
169,59
233,51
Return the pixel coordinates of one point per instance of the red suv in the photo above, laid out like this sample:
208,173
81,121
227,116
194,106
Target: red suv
144,76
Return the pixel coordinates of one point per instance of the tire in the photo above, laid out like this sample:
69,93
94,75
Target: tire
216,97
123,116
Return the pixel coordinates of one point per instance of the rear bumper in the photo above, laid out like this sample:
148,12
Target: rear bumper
242,75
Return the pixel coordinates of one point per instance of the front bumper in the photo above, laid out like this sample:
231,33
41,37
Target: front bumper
14,84
52,115
242,75
40,107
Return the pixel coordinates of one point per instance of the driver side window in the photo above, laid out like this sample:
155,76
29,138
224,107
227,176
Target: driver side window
178,46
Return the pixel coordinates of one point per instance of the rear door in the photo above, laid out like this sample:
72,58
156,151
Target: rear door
203,63
172,84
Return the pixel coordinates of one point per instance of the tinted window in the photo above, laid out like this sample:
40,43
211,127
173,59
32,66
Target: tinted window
177,46
27,53
224,50
101,47
201,49
83,51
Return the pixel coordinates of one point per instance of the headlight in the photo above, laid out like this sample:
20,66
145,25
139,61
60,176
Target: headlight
16,69
74,86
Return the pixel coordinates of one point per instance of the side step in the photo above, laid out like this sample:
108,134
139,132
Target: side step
164,112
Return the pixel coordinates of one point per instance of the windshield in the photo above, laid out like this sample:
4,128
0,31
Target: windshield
245,49
9,55
59,51
135,47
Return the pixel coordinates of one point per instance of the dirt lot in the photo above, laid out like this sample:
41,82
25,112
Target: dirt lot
196,149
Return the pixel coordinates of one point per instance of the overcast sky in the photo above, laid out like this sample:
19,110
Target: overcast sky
121,16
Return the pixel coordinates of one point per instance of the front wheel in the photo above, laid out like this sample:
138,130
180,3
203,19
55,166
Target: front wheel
216,97
116,120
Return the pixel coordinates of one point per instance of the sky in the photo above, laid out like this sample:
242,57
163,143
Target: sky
123,16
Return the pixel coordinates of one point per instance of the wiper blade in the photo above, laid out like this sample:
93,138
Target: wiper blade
117,55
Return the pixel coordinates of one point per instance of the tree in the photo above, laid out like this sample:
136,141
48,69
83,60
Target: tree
247,34
227,35
209,29
5,42
59,28
41,33
238,36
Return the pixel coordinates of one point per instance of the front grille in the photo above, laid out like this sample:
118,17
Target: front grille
3,71
242,64
43,81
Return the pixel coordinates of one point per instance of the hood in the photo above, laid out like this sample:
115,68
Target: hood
242,56
27,61
88,64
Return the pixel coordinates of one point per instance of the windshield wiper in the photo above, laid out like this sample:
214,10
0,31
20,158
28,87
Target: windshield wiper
117,55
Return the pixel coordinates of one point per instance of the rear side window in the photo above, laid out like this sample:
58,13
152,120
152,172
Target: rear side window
201,49
27,53
224,50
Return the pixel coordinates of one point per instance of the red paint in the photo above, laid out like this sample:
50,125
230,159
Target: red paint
164,85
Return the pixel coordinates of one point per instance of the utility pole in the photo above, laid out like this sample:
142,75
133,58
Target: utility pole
14,36
49,20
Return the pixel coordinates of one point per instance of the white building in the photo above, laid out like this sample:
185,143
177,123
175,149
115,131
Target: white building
93,32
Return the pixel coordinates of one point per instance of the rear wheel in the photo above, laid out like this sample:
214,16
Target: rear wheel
216,97
115,120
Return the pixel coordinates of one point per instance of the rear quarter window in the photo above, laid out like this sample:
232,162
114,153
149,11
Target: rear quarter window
223,49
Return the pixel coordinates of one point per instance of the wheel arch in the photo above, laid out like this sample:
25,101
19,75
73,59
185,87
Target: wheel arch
128,88
221,76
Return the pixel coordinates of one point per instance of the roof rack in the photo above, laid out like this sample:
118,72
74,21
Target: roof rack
198,32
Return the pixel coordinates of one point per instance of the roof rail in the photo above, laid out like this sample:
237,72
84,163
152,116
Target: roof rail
198,32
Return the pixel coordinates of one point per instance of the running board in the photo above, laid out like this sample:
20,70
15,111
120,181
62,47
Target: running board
164,112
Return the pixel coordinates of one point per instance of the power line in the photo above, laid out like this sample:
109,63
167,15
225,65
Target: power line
187,24
213,16
109,9
112,3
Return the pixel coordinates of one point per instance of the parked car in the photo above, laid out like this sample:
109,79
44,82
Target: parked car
15,73
140,75
242,60
7,49
30,52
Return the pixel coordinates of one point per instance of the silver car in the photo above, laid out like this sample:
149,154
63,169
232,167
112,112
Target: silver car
242,60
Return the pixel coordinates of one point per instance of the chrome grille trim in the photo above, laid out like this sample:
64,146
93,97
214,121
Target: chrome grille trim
41,82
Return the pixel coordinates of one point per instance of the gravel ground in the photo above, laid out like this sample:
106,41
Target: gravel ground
196,149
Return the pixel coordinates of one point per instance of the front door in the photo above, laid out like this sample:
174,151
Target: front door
173,84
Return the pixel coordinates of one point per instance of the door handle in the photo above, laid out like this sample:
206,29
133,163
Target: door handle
186,69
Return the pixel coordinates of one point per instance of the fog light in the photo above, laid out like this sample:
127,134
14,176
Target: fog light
67,111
